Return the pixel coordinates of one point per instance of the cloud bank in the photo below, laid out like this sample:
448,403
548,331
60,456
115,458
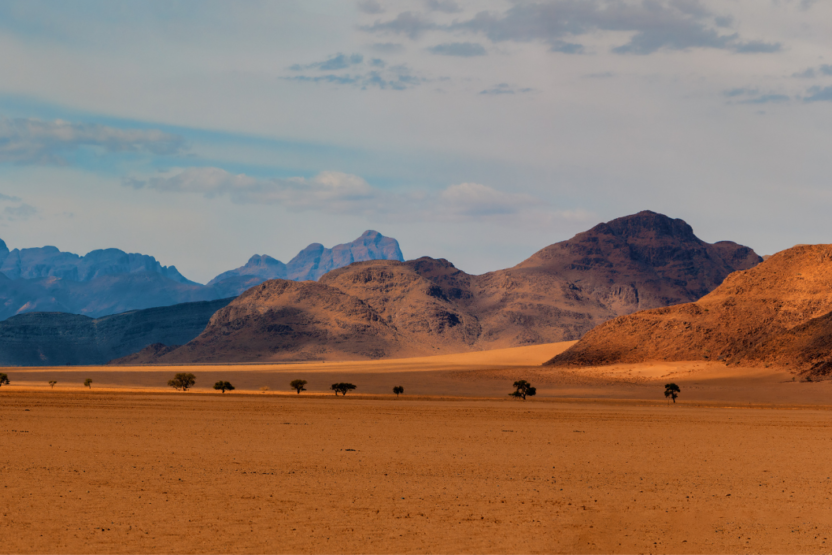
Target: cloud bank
32,141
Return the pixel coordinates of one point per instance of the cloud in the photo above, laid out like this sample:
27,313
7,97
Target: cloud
370,7
811,72
754,96
32,141
470,200
334,63
504,88
463,49
409,24
818,94
19,213
446,6
7,198
331,192
397,77
340,193
655,24
387,47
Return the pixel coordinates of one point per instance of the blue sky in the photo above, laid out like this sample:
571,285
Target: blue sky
204,132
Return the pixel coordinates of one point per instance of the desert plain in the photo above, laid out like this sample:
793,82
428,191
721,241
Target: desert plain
597,462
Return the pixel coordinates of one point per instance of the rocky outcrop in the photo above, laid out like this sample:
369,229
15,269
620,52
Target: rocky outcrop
59,339
779,313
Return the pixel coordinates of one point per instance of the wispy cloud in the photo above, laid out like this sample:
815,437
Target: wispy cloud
19,213
462,49
32,141
755,96
370,7
7,198
333,63
504,88
655,25
819,94
446,6
340,193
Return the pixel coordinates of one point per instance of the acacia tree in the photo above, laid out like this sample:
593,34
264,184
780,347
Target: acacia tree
88,383
4,379
398,390
183,381
52,383
523,389
671,390
342,388
224,386
298,385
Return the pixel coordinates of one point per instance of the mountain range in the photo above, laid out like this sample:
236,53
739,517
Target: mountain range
778,313
112,281
387,308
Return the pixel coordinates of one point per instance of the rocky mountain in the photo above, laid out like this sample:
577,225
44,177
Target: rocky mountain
111,281
428,306
315,260
58,339
779,312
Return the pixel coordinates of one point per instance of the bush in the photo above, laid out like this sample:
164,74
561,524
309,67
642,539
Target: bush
264,389
298,385
52,383
398,390
224,386
523,389
183,381
671,390
4,379
341,388
88,383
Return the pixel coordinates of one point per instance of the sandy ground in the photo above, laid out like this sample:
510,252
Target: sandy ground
597,463
188,473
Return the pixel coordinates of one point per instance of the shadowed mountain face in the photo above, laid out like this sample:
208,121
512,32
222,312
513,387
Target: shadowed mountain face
111,281
428,306
779,312
57,339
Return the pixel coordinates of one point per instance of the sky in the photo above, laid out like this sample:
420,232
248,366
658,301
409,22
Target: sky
205,132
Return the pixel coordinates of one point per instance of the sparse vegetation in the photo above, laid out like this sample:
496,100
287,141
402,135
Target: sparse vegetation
264,389
183,381
4,379
298,385
398,390
52,383
523,389
223,386
88,383
671,391
342,388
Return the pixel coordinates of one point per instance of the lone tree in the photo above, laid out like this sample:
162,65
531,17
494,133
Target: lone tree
341,388
52,383
671,390
4,379
183,381
224,386
88,383
398,390
523,389
298,385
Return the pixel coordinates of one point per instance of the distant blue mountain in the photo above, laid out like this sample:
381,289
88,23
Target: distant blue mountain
111,281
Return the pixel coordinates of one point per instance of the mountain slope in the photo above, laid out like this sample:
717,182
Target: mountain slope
429,306
777,312
58,339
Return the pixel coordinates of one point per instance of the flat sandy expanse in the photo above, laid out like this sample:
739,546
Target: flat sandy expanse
597,462
187,473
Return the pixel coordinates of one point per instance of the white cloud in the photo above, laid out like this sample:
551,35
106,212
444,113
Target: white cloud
475,199
332,192
33,141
